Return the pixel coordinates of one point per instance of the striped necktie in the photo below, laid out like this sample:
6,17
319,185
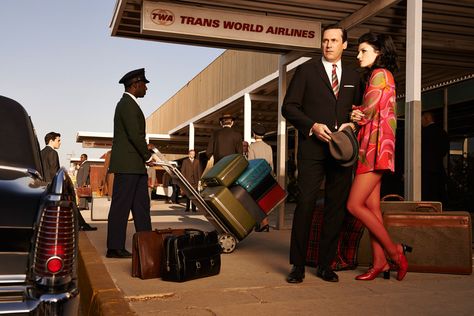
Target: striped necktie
335,82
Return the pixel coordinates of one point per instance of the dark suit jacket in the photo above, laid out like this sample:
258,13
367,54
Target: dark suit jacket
50,160
191,171
129,148
434,146
82,176
310,99
223,142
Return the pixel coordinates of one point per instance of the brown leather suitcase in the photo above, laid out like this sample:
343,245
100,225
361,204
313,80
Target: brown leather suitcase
148,252
394,203
442,242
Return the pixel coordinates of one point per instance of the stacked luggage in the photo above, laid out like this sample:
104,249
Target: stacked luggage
237,195
240,193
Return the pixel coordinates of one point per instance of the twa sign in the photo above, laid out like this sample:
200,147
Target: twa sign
211,27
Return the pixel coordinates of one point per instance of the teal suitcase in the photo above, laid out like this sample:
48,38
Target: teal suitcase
254,174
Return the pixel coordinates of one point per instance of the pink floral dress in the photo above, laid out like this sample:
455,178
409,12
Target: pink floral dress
377,129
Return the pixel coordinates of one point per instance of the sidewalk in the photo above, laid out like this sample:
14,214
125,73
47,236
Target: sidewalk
252,282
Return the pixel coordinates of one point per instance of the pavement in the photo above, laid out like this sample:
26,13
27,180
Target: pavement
252,281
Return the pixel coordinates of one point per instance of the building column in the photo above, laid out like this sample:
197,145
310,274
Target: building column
413,102
191,136
282,142
247,117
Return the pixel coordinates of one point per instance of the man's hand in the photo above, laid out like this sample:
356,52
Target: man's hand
344,125
150,147
322,132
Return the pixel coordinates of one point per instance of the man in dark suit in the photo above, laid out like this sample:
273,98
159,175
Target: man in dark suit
191,170
434,147
83,179
225,141
49,156
129,155
50,161
318,102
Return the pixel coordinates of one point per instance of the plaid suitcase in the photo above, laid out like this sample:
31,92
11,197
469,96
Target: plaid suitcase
254,174
348,243
226,171
229,210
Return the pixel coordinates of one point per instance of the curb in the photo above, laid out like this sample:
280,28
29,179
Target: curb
98,293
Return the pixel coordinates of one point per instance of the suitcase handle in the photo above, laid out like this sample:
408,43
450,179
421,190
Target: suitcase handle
393,197
425,207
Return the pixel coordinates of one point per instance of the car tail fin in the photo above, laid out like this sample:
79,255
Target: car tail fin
56,243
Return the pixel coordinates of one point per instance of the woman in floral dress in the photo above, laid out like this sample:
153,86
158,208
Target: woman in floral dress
376,119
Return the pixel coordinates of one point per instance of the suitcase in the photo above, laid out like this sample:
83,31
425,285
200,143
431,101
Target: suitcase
248,202
411,206
148,252
388,206
226,171
272,198
229,210
194,254
100,208
266,184
348,242
441,241
254,174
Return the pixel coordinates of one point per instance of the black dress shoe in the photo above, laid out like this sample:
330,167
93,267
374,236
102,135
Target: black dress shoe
118,253
296,275
86,227
327,274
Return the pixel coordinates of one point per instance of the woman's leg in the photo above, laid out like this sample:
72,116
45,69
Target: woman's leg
361,190
373,204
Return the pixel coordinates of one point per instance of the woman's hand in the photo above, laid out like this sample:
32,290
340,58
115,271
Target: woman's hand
344,125
356,114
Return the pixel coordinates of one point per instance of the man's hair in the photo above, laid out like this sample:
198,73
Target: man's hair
51,136
85,156
336,27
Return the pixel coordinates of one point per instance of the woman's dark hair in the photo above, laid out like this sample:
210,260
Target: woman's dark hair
387,57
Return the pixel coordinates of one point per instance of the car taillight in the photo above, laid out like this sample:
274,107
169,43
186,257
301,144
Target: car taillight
55,247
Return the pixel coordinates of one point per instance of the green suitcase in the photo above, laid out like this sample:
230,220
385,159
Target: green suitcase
226,171
227,208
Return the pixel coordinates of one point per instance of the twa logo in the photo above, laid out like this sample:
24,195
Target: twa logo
162,17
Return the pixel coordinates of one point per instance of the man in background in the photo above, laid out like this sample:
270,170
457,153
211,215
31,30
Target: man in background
191,170
225,141
83,180
50,161
434,147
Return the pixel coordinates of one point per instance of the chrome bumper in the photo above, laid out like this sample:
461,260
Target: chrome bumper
58,304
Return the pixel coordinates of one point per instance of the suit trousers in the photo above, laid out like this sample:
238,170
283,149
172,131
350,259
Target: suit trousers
130,193
311,173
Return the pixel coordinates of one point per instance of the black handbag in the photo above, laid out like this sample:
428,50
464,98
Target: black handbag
196,254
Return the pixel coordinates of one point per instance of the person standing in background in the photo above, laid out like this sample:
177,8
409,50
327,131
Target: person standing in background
50,161
225,141
434,147
191,170
260,149
83,180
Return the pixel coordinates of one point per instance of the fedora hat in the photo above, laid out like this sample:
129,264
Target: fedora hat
227,117
344,147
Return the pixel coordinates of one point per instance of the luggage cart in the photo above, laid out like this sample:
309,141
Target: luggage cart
227,240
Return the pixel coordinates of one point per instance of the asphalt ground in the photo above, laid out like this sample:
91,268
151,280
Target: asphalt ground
252,281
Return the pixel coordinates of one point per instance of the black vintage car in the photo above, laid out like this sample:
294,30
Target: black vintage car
38,225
